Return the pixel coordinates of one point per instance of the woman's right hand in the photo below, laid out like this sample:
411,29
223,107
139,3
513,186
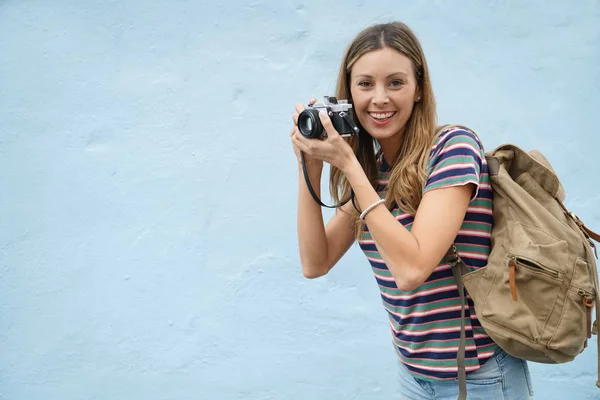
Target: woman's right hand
310,162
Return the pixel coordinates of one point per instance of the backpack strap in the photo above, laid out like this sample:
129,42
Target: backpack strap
589,235
459,269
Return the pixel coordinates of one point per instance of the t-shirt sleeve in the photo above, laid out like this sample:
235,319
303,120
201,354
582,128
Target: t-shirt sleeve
455,160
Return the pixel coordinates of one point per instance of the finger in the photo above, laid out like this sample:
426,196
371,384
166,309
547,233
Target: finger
301,138
299,109
307,142
296,136
327,124
298,142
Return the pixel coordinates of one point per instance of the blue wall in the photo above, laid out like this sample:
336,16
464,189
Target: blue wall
148,187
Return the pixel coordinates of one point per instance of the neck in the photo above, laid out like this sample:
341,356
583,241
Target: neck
390,147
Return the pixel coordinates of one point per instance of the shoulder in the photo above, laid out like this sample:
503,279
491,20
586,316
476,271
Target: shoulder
457,137
456,158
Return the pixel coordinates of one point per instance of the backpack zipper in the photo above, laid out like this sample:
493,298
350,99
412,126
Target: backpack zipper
532,265
588,302
513,265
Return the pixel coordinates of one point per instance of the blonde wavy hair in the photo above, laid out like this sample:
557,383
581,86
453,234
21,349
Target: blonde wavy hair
407,176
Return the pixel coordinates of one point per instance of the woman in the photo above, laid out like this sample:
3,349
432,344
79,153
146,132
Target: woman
416,194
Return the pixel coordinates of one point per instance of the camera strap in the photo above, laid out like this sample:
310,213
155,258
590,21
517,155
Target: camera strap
314,195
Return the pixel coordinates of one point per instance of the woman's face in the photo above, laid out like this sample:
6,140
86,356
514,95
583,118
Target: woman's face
384,91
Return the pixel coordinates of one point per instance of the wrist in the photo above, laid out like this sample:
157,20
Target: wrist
314,168
312,164
351,167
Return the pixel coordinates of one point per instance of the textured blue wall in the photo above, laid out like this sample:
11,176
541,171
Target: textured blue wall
148,187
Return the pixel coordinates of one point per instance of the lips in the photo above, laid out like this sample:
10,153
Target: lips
382,115
381,118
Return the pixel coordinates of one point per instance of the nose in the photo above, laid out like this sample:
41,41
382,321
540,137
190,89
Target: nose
380,97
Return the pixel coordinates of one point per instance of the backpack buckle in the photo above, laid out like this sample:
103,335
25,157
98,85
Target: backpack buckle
578,222
583,229
452,257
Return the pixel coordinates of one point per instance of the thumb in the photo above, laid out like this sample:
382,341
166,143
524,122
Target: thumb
327,124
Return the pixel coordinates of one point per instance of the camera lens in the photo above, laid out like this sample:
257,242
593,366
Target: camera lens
307,124
310,124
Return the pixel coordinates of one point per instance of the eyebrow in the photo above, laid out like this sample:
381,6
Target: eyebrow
389,76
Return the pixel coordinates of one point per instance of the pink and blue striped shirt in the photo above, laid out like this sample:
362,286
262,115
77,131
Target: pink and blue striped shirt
425,323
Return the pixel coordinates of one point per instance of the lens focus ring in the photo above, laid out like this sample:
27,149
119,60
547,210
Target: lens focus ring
309,123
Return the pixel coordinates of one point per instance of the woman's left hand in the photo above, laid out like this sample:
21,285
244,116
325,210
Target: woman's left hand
332,149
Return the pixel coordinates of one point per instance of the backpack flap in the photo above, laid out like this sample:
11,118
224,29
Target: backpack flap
516,162
558,192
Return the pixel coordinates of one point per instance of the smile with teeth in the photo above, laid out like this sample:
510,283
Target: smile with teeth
382,116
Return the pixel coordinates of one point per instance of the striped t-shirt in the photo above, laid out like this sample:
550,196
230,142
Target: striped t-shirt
425,322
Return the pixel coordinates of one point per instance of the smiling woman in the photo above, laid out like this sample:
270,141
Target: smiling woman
416,194
380,98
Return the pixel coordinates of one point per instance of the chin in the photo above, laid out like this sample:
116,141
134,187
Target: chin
383,133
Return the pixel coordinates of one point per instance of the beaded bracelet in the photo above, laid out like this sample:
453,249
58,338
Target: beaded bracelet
372,206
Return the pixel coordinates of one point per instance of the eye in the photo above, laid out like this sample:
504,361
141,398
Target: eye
396,83
364,83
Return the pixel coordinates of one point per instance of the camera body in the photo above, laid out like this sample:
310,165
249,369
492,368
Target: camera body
340,112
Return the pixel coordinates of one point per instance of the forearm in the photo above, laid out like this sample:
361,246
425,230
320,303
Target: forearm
398,247
312,239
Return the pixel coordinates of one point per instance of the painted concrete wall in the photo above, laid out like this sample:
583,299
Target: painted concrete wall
148,187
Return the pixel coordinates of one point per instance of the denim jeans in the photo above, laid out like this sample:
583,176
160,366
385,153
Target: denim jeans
502,377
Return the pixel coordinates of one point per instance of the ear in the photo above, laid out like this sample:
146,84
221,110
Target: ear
418,95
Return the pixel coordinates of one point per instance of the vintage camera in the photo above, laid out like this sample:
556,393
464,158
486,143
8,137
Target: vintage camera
340,112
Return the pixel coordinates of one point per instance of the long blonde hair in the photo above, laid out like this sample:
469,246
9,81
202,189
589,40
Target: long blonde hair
407,176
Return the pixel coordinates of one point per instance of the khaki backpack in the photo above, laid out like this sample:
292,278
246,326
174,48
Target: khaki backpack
535,296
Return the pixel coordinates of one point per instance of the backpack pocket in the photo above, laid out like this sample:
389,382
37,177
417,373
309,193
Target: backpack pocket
527,281
575,324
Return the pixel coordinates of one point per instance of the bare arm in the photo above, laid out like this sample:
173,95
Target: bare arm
321,247
411,256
